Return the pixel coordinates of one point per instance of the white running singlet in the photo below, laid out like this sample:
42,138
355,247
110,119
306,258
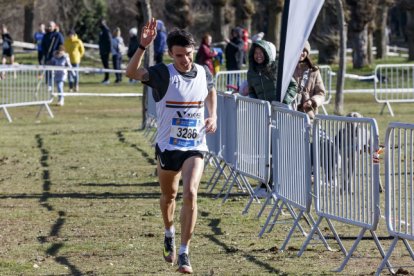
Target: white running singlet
180,113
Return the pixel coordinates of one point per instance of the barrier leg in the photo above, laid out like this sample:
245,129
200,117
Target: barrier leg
6,113
269,217
386,257
305,244
381,250
295,223
319,232
410,250
351,251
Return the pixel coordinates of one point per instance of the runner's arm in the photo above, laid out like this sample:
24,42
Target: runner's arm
211,103
134,69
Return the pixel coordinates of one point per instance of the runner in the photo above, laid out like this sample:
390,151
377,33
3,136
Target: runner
180,90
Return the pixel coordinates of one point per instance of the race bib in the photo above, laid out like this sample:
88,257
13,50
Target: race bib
186,132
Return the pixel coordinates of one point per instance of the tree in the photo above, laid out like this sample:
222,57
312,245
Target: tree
339,96
244,11
380,32
325,34
219,30
408,5
361,13
86,23
274,13
181,15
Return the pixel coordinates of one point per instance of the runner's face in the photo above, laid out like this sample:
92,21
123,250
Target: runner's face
182,57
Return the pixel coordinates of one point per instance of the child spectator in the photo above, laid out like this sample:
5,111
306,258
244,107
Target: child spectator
60,58
38,37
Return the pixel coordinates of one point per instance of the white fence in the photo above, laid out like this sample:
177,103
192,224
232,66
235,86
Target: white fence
28,85
395,84
23,86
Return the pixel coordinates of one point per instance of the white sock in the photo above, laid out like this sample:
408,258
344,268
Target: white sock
183,249
170,232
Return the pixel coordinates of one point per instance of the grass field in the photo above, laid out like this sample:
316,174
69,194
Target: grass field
79,196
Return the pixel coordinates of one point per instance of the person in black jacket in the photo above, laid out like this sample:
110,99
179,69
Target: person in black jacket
51,42
105,46
7,46
234,50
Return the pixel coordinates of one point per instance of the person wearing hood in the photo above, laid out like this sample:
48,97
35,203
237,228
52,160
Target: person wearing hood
75,49
311,90
160,42
60,58
262,72
262,81
105,46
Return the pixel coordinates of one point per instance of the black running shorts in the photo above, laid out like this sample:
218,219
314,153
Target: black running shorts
173,160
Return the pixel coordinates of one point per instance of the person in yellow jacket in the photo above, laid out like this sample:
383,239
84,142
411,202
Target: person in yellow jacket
74,47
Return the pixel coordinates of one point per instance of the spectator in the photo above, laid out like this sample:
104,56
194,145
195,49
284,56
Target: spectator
60,58
205,53
311,90
75,49
118,48
234,50
132,46
160,42
8,51
245,38
38,36
262,81
105,46
51,42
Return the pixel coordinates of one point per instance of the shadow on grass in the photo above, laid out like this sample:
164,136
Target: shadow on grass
214,223
54,248
144,154
147,184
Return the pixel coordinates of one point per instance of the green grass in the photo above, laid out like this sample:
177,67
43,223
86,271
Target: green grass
79,196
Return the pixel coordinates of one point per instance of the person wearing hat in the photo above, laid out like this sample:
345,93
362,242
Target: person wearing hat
311,90
75,49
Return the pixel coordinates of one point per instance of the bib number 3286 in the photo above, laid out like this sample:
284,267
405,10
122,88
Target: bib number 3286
185,132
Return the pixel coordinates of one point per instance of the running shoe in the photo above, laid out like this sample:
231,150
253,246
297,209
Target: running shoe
184,265
169,250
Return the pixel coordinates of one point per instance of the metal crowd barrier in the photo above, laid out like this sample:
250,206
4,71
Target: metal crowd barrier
346,178
395,84
292,170
399,186
225,78
24,86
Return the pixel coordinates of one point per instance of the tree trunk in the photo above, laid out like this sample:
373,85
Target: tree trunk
359,41
274,9
370,43
339,96
219,30
381,33
410,34
28,21
149,58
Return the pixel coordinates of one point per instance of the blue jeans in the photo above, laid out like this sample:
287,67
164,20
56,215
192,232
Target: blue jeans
59,85
73,76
